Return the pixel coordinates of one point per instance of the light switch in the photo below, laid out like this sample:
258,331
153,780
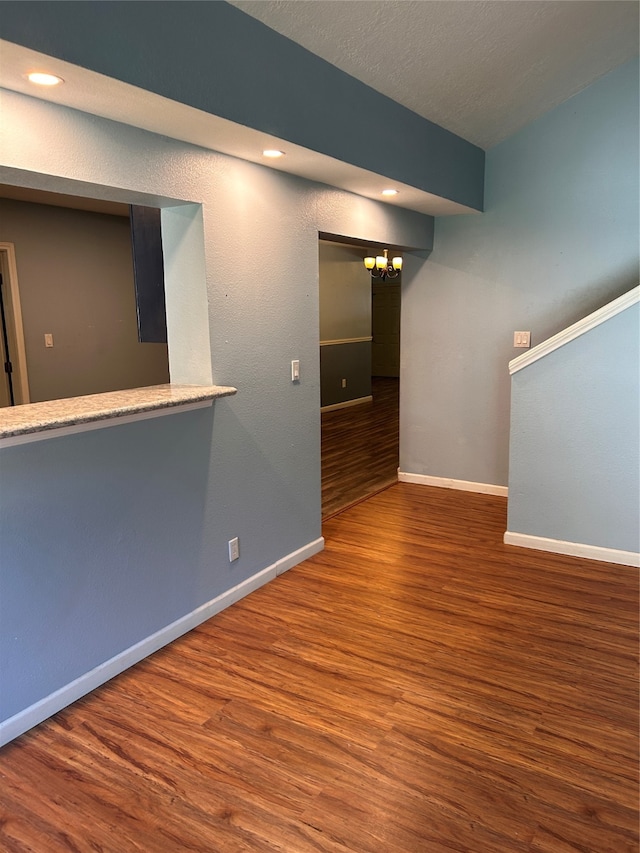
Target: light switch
48,339
522,339
234,549
295,370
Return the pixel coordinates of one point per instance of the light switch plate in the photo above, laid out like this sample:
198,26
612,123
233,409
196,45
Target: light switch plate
522,339
234,549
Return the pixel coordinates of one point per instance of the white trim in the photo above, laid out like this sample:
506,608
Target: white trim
296,557
14,321
573,549
346,341
356,401
39,711
573,332
25,438
447,483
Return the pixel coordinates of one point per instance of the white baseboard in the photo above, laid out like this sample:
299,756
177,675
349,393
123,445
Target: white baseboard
347,403
446,483
573,549
39,711
299,556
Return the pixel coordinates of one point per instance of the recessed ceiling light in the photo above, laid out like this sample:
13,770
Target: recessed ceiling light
43,78
272,152
389,192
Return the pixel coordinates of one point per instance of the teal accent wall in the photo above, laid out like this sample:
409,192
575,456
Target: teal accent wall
558,239
212,56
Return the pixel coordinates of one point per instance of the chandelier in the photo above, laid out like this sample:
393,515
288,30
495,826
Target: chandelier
381,267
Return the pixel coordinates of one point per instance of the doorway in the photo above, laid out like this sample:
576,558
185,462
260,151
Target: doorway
14,384
360,433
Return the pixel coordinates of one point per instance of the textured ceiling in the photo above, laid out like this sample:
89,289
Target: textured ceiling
480,69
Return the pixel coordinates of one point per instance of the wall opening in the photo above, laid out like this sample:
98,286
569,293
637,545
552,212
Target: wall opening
185,359
359,377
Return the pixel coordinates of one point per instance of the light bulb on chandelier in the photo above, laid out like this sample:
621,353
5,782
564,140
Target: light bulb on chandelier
381,267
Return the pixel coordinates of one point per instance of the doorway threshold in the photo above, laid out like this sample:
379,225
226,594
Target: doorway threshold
361,499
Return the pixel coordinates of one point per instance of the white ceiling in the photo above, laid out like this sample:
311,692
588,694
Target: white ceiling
480,69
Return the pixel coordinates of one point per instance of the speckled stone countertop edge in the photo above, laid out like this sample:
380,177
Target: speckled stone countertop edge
72,411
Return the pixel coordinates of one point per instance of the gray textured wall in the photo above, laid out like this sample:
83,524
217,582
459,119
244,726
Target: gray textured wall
345,292
76,282
345,313
351,362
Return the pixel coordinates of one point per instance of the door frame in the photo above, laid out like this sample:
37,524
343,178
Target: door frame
15,330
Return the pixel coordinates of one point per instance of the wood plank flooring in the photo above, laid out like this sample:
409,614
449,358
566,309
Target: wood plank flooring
416,687
360,448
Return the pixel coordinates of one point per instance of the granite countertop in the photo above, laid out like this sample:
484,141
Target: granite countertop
54,414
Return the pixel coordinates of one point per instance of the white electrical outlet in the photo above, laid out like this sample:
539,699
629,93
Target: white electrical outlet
234,549
344,383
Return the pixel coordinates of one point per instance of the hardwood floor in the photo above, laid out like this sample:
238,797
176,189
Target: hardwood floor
360,448
418,686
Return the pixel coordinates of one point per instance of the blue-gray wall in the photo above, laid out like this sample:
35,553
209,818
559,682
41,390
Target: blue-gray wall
559,239
574,470
351,362
107,537
212,56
